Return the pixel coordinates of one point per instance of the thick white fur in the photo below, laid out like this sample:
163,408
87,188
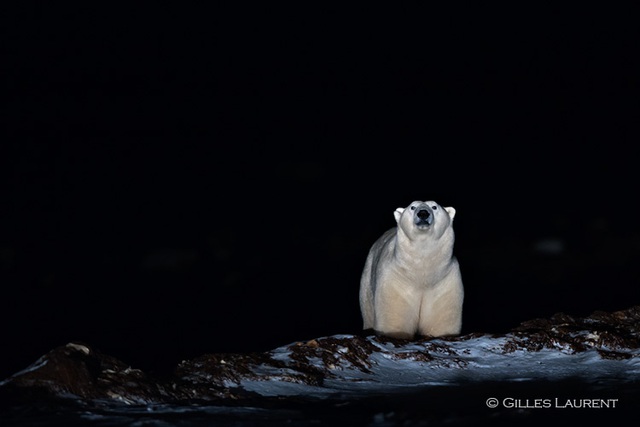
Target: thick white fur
411,281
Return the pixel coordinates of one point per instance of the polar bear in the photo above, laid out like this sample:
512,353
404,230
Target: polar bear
411,282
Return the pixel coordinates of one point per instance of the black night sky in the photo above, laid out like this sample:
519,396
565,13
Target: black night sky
181,179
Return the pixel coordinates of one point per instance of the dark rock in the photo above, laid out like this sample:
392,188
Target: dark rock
339,365
610,333
78,371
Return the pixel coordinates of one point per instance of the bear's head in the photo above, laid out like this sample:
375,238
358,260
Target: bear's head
427,218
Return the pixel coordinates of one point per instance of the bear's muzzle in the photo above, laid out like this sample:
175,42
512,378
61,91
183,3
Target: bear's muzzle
424,217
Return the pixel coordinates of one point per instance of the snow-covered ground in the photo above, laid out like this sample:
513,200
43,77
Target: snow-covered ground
434,362
559,365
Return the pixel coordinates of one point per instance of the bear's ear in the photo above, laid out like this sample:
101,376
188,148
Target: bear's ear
451,211
398,213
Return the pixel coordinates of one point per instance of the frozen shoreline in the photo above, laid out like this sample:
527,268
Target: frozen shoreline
561,363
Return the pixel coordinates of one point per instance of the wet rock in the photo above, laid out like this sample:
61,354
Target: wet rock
612,334
343,364
78,371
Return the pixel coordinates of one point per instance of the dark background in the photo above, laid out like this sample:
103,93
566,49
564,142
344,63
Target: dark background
180,180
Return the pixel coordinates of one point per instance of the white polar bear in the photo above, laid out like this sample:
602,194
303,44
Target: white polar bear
411,281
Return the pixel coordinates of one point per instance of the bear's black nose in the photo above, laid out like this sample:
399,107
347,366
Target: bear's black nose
423,214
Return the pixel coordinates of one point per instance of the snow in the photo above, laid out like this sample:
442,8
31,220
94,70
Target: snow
377,380
444,363
42,361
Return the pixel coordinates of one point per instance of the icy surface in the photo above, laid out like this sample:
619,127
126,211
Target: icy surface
378,380
440,362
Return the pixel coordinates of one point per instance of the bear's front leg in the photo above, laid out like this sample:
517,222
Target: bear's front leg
441,308
396,311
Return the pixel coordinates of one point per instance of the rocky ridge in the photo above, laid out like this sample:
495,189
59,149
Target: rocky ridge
600,346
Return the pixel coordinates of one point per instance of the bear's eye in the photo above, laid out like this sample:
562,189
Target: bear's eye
434,207
413,208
